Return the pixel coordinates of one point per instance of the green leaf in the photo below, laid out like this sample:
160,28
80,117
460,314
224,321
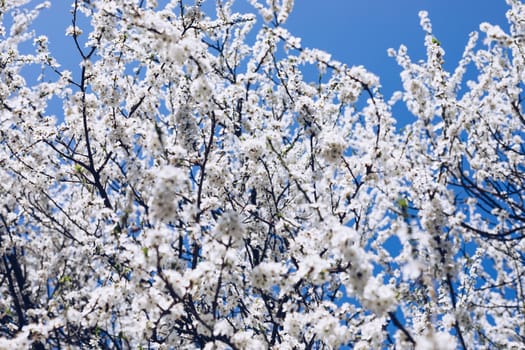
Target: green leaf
402,203
78,168
64,279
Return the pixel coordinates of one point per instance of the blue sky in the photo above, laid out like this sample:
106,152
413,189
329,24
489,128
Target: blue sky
359,32
356,32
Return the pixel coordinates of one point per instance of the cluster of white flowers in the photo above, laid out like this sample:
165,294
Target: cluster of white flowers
333,149
267,275
165,201
230,228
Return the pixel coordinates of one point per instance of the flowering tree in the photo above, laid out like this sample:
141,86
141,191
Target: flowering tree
195,190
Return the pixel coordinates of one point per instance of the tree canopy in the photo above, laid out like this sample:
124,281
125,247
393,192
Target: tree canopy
196,188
